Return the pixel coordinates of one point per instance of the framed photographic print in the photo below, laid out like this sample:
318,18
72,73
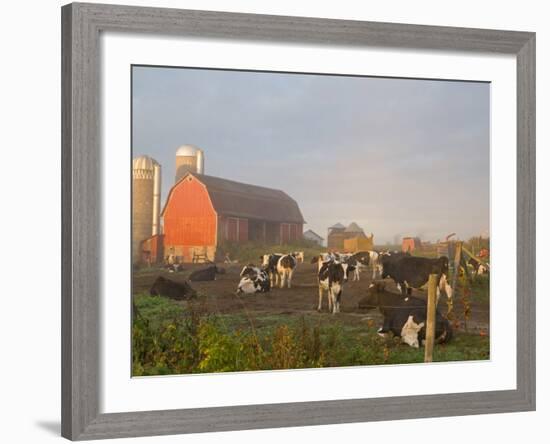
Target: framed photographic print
278,221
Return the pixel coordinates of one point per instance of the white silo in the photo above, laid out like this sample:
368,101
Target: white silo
189,159
156,199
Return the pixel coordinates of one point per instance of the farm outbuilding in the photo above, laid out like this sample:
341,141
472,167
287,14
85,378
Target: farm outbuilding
409,244
312,236
355,244
202,212
335,236
338,234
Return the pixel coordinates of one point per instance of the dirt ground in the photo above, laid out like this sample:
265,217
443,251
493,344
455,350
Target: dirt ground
302,298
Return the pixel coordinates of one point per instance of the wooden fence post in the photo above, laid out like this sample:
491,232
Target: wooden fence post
456,270
456,265
430,318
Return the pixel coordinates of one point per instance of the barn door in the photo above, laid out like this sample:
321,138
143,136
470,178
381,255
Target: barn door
232,229
285,233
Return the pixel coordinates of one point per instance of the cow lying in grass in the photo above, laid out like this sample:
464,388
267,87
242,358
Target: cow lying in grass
173,290
253,280
404,316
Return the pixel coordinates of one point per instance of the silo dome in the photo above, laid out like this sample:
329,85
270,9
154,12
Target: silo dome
187,150
144,163
189,159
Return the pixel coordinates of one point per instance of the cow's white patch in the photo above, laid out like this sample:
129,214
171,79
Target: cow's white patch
409,332
299,255
246,286
444,285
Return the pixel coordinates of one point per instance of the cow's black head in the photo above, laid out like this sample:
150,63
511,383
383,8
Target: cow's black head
155,289
348,269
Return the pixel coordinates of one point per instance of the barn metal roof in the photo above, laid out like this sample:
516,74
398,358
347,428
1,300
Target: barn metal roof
237,199
313,233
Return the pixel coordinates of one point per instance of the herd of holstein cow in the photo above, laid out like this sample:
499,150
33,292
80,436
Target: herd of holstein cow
404,315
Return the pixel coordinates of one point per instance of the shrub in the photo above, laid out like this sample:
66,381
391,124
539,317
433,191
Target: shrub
175,338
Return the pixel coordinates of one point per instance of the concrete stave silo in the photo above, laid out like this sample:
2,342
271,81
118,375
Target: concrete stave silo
189,159
145,202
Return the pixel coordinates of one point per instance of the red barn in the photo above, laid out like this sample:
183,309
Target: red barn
202,212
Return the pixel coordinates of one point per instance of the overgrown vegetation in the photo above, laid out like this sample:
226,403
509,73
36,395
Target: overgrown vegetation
175,338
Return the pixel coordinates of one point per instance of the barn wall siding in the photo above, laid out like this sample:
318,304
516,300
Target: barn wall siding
190,222
233,229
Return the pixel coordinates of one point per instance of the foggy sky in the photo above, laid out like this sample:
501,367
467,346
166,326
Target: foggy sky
397,156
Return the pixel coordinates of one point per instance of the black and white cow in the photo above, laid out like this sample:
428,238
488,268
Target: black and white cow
205,274
359,260
331,276
406,317
171,289
269,264
250,271
174,268
253,280
323,257
285,268
280,267
299,255
478,267
410,272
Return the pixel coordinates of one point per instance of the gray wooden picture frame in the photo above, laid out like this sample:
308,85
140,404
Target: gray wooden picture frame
81,172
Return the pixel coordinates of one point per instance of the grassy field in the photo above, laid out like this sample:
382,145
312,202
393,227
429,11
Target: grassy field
177,338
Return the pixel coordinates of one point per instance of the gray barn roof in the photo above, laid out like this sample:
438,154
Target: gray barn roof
237,199
337,225
312,233
353,228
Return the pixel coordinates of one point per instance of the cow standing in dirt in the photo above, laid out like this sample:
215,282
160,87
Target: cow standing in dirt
410,272
285,268
331,277
269,264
